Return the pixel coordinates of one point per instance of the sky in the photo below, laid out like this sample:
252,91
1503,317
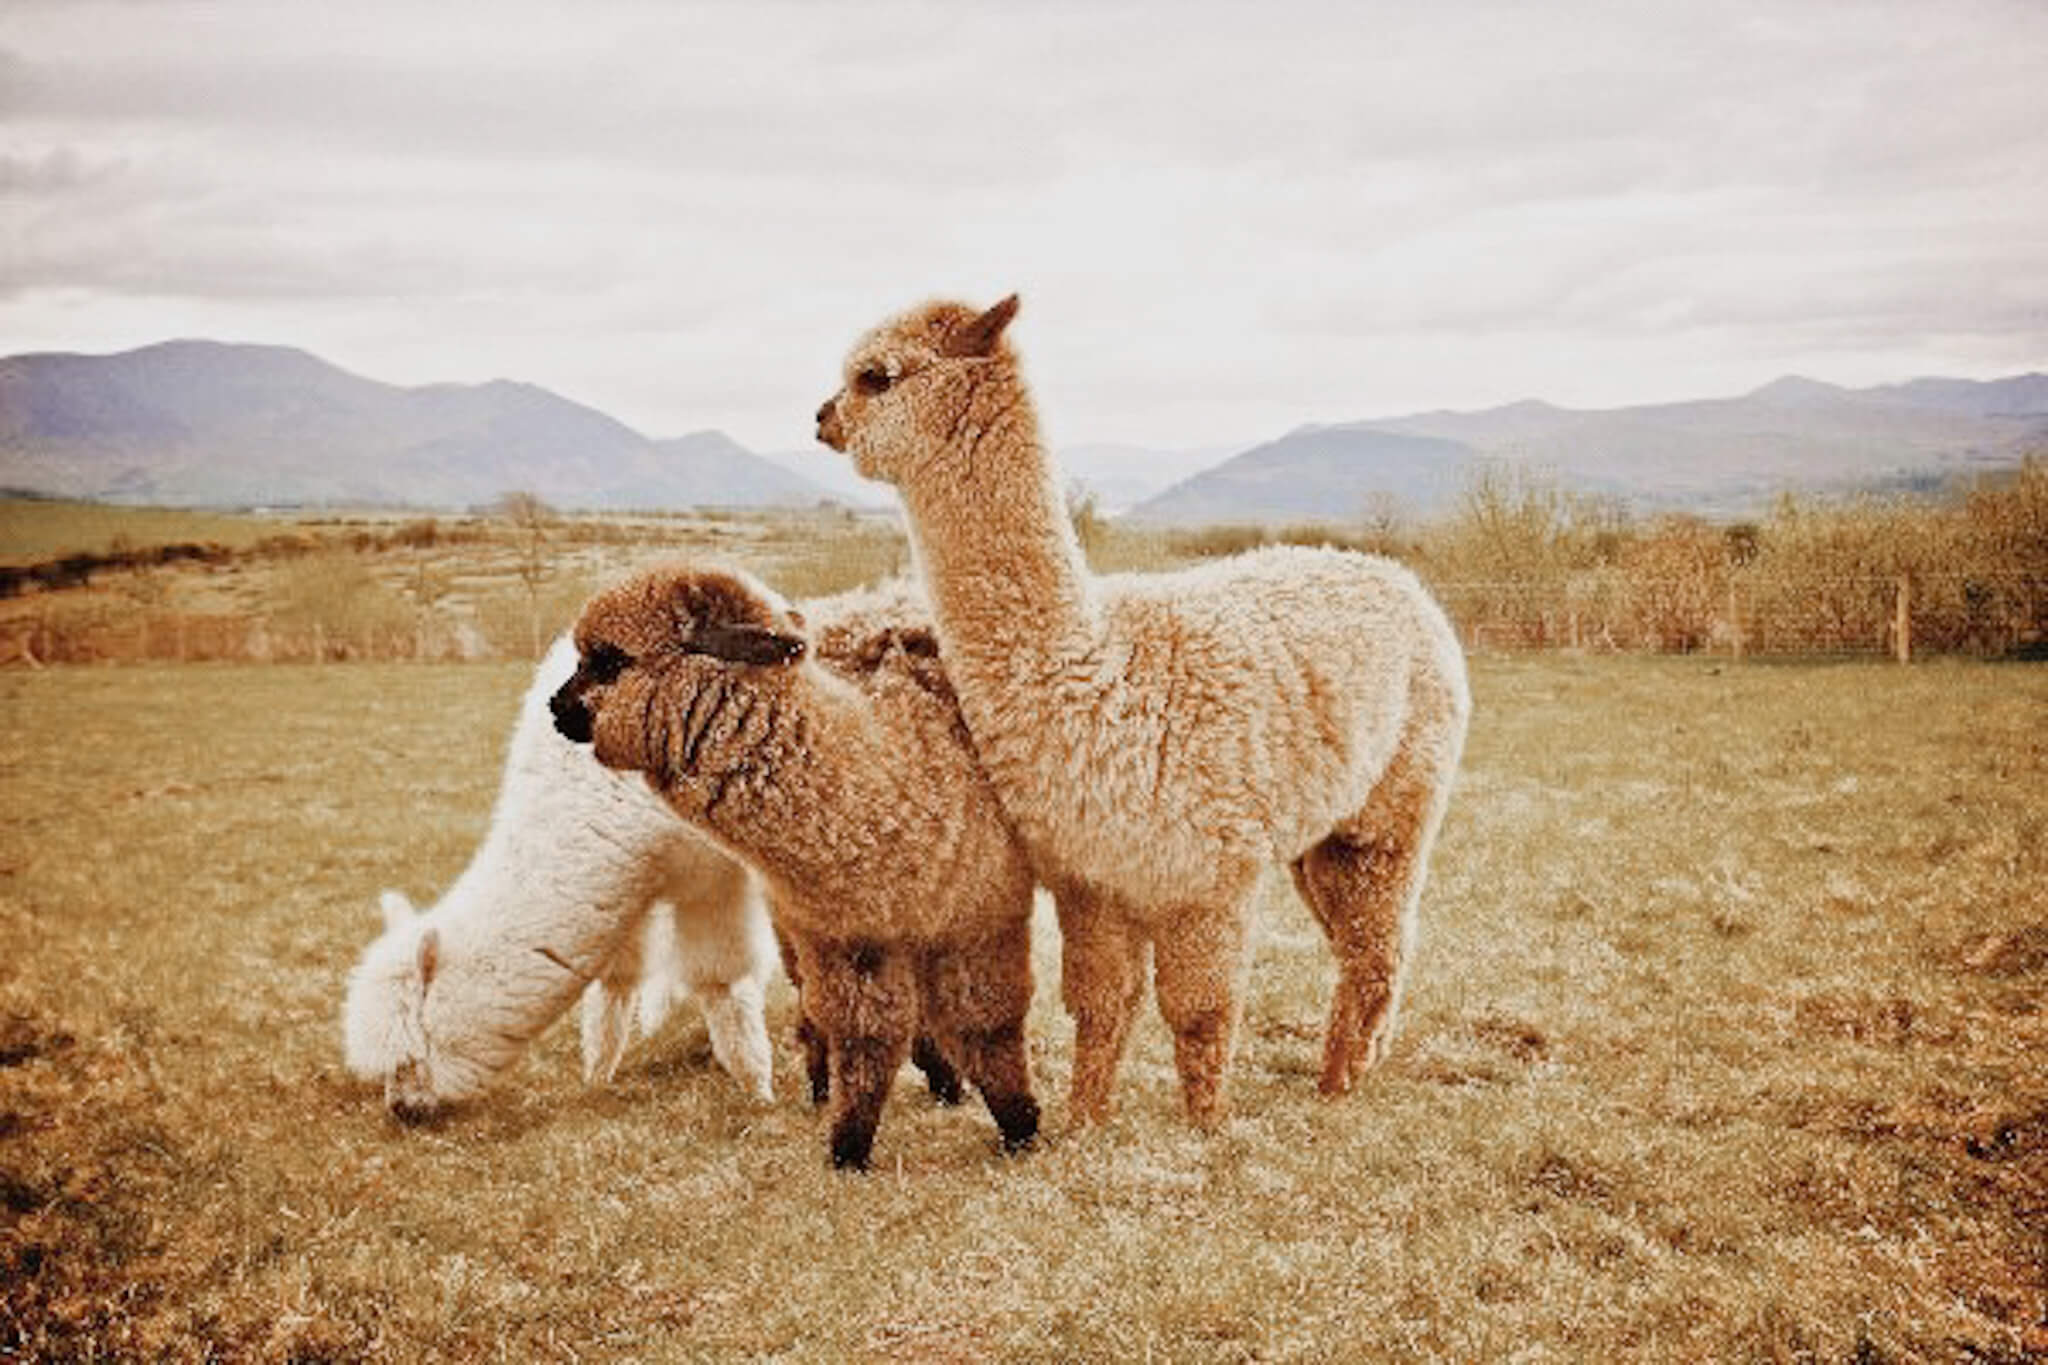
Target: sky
1223,220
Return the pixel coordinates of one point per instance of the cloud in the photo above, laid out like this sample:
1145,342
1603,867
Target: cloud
1221,215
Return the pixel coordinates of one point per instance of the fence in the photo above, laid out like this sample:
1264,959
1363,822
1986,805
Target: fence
1738,615
210,637
1897,616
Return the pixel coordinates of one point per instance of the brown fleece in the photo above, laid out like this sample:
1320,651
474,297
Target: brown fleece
833,759
1156,739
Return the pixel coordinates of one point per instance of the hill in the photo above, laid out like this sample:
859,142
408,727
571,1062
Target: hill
206,423
1725,456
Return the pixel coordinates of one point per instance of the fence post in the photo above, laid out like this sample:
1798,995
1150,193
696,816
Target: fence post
319,642
1734,622
1902,621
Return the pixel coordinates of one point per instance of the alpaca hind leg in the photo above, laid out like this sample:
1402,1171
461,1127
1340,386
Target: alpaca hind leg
976,997
1102,971
866,1004
1363,884
1199,969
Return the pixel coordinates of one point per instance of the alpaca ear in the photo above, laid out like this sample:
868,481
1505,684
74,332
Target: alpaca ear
430,956
979,337
744,644
397,909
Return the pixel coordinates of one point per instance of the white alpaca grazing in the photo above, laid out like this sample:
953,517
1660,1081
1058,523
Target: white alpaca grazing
586,884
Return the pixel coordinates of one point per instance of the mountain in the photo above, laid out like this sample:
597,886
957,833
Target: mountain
202,422
1319,474
1120,476
1721,456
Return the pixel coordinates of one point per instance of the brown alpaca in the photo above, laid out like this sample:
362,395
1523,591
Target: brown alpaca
848,782
1157,739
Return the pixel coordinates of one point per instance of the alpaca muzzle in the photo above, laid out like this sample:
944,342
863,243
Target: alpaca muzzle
409,1094
830,430
572,717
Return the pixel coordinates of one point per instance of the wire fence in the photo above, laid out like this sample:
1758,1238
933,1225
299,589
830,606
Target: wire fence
1736,615
1898,616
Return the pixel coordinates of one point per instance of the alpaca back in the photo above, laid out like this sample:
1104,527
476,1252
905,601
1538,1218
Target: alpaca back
1223,717
911,839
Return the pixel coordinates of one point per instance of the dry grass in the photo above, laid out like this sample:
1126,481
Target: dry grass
1725,1042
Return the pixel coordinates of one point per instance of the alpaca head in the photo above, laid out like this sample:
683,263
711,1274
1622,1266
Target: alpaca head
388,1020
908,382
651,644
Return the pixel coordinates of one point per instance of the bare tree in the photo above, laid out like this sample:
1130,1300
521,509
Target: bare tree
530,518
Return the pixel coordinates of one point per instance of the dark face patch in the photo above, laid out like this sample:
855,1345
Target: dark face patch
572,717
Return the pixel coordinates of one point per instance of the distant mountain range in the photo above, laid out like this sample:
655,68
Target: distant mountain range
202,423
206,423
1723,456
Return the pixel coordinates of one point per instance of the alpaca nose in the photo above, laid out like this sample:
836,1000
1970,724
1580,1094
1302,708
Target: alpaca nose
572,717
829,430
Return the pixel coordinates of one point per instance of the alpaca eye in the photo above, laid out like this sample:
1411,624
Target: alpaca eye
606,662
873,379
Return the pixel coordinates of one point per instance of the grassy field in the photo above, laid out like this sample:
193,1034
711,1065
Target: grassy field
1726,1041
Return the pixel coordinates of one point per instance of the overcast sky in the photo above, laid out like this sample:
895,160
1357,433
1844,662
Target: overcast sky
1224,220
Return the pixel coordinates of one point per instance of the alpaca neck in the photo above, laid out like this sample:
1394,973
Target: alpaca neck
996,547
536,875
778,785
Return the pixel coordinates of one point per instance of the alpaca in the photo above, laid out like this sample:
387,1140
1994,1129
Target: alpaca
585,883
1157,739
847,779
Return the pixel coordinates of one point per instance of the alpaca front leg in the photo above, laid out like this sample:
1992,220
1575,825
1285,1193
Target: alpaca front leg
940,1077
799,961
606,1027
1199,974
1102,969
609,1003
733,1013
976,997
867,1006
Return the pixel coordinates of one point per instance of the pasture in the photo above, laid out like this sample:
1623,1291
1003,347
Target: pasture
1726,1040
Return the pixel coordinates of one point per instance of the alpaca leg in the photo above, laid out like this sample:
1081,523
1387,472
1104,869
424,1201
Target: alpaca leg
608,1008
867,1006
1364,884
810,1039
739,1033
940,1076
721,944
1198,971
1102,970
607,1026
1353,889
976,996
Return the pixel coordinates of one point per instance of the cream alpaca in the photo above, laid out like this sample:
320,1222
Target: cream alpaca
1157,739
852,787
585,883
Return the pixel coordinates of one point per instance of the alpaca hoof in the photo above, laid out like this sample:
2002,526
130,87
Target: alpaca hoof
850,1150
1017,1117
